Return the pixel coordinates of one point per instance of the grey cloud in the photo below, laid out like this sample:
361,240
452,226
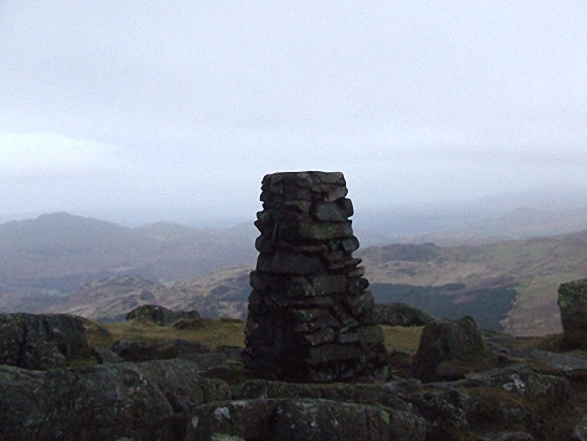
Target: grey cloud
412,95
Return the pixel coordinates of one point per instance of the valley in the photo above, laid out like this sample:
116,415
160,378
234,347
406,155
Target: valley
99,270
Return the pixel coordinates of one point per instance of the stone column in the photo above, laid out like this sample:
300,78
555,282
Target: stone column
310,316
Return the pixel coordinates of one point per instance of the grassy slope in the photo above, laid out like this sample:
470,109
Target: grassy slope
534,267
217,294
210,332
214,333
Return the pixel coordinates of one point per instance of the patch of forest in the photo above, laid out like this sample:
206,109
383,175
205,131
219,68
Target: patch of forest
488,306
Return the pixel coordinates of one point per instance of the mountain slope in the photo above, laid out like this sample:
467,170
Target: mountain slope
219,294
533,267
60,252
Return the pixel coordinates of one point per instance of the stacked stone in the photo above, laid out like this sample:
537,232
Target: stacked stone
310,316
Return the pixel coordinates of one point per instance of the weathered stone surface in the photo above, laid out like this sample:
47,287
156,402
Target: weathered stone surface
332,353
570,364
444,411
323,230
346,392
283,262
458,342
319,337
42,341
310,318
322,420
328,284
572,302
135,351
580,431
370,336
160,315
147,401
401,314
524,380
302,420
329,212
512,436
187,348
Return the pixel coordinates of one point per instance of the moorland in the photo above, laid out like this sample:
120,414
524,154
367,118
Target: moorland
78,265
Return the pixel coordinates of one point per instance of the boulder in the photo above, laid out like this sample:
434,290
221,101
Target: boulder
401,314
136,351
522,379
302,420
186,348
444,411
146,401
572,303
42,341
160,315
448,350
512,436
580,431
573,365
385,395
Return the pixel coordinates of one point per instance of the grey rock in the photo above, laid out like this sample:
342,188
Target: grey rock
135,351
512,436
524,380
568,363
401,314
302,420
42,341
147,401
186,348
457,342
444,412
580,431
353,393
107,356
572,303
160,315
329,212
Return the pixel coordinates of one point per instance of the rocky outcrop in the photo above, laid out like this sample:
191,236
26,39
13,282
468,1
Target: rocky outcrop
580,432
146,401
160,315
573,365
448,350
303,420
572,302
42,341
400,314
512,403
310,318
136,351
170,400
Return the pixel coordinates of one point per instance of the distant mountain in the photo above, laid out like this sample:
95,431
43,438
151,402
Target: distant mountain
222,293
514,215
45,261
513,283
534,268
56,253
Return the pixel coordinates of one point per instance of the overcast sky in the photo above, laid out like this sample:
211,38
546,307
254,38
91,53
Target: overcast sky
171,104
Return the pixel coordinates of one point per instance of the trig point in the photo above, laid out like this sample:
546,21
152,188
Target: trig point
310,318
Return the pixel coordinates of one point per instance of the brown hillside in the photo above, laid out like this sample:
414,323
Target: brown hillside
533,267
